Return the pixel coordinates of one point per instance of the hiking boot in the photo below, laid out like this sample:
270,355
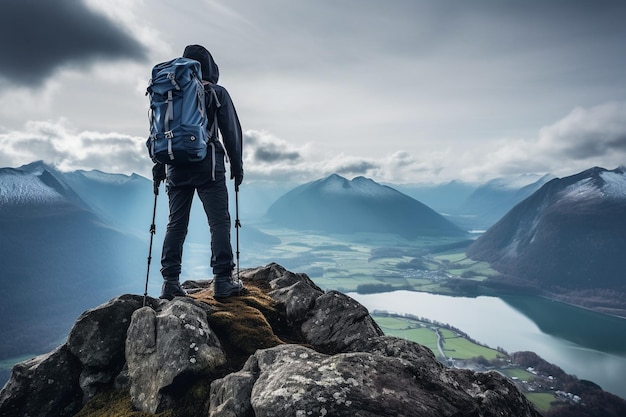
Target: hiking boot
224,287
171,288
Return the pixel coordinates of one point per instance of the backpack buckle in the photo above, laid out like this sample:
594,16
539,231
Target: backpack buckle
169,134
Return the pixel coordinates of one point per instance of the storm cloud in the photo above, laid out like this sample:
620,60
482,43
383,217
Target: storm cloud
402,92
39,37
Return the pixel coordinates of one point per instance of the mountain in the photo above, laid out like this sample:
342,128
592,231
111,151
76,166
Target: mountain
337,205
69,240
443,198
121,201
492,200
571,233
126,203
58,255
476,206
285,349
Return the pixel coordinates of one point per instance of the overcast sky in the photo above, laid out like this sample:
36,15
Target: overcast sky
402,91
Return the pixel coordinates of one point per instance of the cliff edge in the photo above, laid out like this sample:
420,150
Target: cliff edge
287,348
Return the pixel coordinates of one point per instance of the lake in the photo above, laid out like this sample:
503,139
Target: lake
589,345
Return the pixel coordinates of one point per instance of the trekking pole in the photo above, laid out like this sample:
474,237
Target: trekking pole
152,232
237,225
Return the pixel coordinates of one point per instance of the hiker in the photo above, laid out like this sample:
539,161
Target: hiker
208,178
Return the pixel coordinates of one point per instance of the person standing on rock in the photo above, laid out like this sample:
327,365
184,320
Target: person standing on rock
208,179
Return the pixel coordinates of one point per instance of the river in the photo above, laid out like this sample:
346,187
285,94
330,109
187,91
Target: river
589,345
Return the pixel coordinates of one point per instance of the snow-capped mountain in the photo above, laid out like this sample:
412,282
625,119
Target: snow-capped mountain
33,185
70,240
570,233
58,254
337,205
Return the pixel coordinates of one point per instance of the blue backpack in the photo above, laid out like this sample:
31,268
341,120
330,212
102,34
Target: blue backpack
178,113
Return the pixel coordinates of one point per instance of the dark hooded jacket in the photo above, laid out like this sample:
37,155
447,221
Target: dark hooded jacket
198,173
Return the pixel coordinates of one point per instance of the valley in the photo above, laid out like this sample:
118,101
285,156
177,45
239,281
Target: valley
398,274
422,271
372,262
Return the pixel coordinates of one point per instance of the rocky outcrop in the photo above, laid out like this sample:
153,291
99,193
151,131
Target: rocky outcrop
287,348
165,345
60,382
299,381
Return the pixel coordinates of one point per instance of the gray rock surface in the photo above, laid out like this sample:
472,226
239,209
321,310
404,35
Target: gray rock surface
43,385
293,380
162,346
336,322
336,362
97,341
59,383
296,291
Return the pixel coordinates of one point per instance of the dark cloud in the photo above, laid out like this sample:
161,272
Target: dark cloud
273,154
357,168
588,132
37,37
266,148
596,145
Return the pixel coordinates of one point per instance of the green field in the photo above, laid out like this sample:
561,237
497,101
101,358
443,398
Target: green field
520,374
457,347
541,400
424,333
368,263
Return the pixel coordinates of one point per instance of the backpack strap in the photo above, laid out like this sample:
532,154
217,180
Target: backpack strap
212,100
169,115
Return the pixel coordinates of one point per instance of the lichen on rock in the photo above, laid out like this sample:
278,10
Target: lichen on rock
286,348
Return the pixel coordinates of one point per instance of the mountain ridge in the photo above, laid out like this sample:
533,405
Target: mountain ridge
337,205
567,237
57,253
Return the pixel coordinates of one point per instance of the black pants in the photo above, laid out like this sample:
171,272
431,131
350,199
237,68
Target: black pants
214,197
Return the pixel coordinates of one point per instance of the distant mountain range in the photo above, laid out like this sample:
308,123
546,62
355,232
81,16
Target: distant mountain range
69,241
571,233
476,206
492,200
337,205
58,254
72,240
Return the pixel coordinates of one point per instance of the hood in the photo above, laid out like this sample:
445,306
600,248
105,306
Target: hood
210,70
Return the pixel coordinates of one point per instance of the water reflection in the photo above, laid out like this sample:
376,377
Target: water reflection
582,327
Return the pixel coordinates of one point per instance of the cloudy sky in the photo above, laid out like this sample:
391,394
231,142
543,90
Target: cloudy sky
402,91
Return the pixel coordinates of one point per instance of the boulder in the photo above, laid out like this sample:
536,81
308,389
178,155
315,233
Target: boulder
46,385
97,340
293,380
286,348
295,291
164,345
336,322
60,382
